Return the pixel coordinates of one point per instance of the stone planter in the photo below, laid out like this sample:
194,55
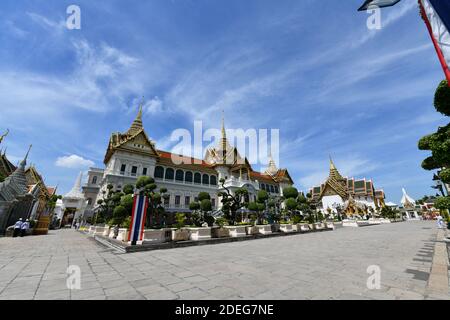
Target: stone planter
319,226
383,221
236,231
91,230
329,225
180,235
251,230
374,221
264,229
349,223
286,228
106,231
218,232
199,233
123,234
311,226
101,230
111,233
158,235
301,227
275,227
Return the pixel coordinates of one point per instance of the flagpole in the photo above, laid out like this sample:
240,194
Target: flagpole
436,46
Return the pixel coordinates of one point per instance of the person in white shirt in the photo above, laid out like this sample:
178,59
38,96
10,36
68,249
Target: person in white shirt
25,226
17,227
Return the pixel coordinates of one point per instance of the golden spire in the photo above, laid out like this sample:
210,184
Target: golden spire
334,173
137,123
224,133
4,135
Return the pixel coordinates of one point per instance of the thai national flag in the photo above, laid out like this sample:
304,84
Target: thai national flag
140,204
436,14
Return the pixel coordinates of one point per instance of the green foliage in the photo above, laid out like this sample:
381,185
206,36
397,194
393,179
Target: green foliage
252,206
180,220
302,199
296,219
444,175
442,98
221,222
194,206
262,196
290,192
203,196
2,178
442,203
127,202
128,189
439,143
144,181
119,215
205,205
126,222
231,203
291,204
389,213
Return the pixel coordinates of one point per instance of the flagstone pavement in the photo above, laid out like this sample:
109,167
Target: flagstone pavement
326,265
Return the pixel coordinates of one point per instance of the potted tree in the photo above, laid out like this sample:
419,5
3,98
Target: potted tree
220,231
180,234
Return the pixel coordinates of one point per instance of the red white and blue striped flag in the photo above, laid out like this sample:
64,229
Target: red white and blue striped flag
139,212
436,14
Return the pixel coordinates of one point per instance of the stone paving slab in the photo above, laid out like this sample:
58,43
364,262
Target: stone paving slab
325,265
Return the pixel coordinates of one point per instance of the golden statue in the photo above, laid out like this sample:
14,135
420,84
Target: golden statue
3,136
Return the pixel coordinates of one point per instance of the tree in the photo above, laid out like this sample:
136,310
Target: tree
290,192
128,189
201,209
231,203
155,212
443,204
439,143
106,206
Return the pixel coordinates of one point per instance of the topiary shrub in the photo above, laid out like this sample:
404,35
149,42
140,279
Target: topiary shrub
442,98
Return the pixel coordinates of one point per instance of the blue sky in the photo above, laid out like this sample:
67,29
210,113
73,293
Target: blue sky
309,68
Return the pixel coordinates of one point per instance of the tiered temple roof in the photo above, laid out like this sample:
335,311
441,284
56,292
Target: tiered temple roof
15,185
345,187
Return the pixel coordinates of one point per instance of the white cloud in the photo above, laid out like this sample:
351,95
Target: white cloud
153,106
73,162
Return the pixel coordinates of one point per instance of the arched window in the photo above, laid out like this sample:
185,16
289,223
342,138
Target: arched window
272,189
213,180
188,176
205,179
89,201
197,178
276,190
267,188
94,179
263,186
179,175
159,172
169,174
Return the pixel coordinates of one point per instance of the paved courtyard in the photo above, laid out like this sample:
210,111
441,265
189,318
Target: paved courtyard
327,265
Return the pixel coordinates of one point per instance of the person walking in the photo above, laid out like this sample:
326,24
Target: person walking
17,227
25,226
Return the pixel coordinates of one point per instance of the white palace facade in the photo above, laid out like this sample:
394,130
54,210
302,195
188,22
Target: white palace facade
132,154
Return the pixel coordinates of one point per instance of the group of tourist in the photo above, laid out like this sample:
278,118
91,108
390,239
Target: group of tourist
21,227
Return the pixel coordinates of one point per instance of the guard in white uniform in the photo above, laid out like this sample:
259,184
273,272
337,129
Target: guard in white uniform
17,227
24,228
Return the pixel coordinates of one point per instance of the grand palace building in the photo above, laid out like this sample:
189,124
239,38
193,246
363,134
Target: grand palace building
132,154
